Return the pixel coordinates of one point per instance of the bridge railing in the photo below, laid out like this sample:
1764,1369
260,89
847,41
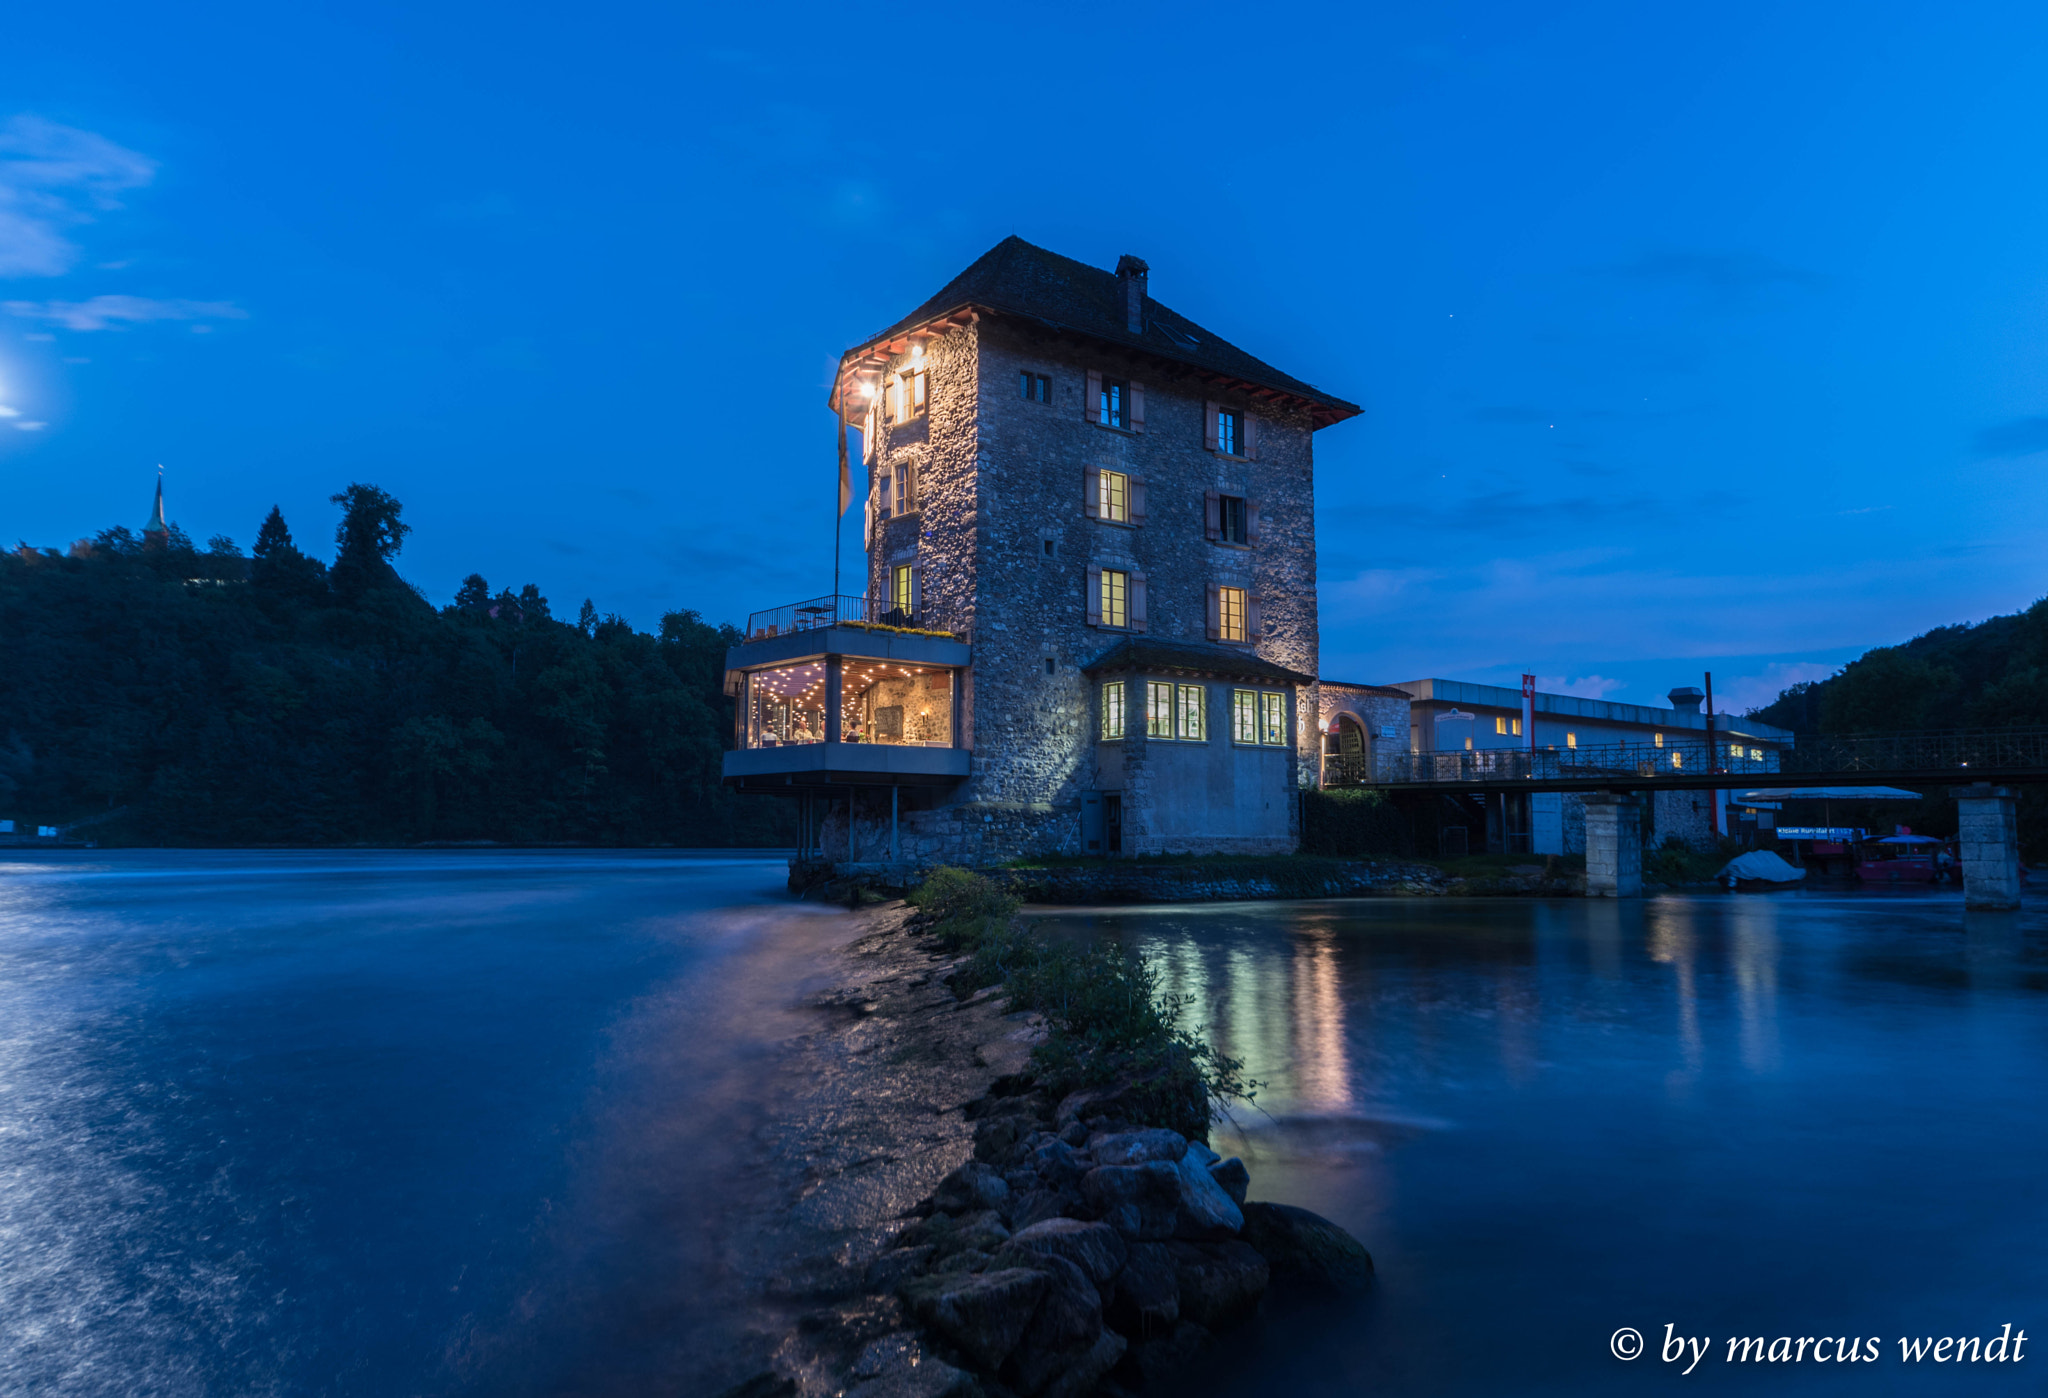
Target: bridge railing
1969,753
1617,760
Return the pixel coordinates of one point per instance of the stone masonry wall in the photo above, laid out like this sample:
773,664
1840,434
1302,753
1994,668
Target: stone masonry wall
1002,544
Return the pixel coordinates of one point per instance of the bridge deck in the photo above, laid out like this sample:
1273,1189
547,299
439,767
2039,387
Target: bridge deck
2003,755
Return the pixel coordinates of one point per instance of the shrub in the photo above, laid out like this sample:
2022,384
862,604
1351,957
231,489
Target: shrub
1106,1018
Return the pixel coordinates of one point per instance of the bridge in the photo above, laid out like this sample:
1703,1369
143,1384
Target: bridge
1980,766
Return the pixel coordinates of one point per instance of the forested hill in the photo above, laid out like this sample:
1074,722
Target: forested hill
1991,675
173,695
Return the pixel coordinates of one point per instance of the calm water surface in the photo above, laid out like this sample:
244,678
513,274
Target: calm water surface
1787,1114
453,1124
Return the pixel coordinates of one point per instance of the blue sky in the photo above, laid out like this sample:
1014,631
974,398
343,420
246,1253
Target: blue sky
1687,339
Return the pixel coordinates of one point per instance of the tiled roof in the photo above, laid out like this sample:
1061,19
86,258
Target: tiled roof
1143,653
1018,279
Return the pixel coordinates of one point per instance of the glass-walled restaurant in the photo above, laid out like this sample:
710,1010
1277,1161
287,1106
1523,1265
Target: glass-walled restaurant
880,702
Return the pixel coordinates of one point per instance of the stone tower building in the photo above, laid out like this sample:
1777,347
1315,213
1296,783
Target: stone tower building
1090,542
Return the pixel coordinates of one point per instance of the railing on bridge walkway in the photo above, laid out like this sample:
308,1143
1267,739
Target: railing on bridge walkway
1963,755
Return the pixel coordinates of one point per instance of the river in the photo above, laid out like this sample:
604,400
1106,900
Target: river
464,1123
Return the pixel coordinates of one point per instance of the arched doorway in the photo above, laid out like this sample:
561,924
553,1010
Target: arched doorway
1346,748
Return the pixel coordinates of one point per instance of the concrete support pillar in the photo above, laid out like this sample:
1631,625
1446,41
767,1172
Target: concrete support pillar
1614,846
1988,832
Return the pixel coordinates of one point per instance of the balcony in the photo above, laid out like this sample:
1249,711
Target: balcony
828,697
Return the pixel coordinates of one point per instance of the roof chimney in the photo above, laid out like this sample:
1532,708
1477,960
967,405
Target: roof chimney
1130,279
1688,699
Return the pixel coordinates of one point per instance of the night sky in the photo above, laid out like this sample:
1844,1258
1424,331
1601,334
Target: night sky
1688,338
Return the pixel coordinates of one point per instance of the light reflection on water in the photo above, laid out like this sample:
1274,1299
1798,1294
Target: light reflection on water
1756,1114
339,1123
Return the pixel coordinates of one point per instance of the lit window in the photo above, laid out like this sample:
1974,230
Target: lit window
1115,497
903,589
1230,614
906,395
1515,726
1658,739
1677,759
1273,730
1468,745
1116,597
1230,432
1756,754
1735,749
1114,396
1244,715
786,705
1034,388
1500,725
1158,710
1571,740
1190,714
1112,710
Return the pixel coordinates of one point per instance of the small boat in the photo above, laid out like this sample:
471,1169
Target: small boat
1757,871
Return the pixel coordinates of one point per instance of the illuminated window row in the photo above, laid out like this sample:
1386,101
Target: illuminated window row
1177,712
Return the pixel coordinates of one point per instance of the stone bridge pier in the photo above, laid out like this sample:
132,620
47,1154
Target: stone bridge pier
1988,833
1614,846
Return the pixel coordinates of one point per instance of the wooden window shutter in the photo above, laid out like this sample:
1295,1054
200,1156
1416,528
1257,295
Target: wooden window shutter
1252,521
1215,612
1137,407
867,526
1212,509
916,590
1252,629
911,486
1137,601
867,435
1091,406
1094,584
1091,486
1209,410
1250,446
1137,499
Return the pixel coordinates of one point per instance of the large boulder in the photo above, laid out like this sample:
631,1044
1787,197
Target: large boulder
1203,1210
1079,1379
1161,1364
1304,1247
971,1187
980,1231
1058,1163
1096,1248
998,1139
1220,1283
1233,1178
1147,1299
1137,1147
1061,1332
1037,1205
1139,1201
984,1314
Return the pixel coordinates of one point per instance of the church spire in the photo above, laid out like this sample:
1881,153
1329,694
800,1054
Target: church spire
157,524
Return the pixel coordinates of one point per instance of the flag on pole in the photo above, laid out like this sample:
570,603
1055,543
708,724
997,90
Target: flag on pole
845,472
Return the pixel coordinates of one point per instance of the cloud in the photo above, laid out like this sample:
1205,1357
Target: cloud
1746,692
6,411
55,177
2020,437
106,312
1727,275
1591,687
30,426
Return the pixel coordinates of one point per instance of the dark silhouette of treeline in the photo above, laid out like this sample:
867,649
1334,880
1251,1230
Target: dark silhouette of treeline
165,694
1991,675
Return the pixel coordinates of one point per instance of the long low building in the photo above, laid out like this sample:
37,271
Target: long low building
1361,724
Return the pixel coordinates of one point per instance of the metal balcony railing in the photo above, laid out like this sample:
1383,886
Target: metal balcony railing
819,612
1964,754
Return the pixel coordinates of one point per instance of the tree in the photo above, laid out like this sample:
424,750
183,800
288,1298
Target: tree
276,563
367,539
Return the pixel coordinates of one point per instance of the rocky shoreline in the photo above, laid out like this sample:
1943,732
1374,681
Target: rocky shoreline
956,1232
1249,880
